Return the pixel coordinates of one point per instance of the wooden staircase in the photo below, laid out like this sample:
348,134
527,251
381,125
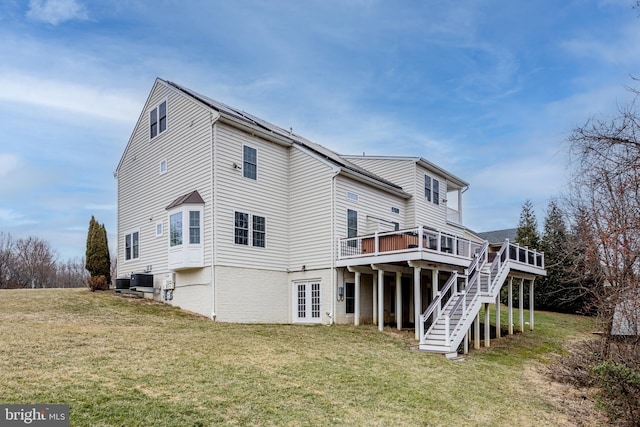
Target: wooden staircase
446,321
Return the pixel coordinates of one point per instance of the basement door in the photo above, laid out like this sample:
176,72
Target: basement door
306,302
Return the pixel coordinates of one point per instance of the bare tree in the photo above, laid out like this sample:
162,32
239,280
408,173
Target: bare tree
37,260
71,274
7,260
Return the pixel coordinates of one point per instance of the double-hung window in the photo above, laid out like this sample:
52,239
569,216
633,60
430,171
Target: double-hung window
194,227
431,190
158,120
249,162
352,227
259,231
436,192
241,228
175,229
427,188
250,230
132,245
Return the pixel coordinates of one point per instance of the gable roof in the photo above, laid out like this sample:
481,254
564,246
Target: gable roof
192,198
499,236
420,161
344,165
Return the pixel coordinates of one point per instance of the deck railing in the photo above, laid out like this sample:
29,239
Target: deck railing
412,239
481,277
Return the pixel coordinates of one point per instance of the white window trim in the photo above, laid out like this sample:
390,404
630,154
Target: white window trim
157,108
257,157
309,319
352,197
433,196
131,232
161,225
185,209
166,167
250,230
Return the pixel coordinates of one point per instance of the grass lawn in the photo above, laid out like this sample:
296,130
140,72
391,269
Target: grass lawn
127,362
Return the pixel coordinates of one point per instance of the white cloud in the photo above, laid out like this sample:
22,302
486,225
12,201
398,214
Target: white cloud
11,218
9,162
66,96
55,12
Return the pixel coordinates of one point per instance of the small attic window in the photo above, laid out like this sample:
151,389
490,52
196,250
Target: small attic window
352,196
158,119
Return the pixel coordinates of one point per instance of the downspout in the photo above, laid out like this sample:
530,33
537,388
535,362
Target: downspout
333,246
214,198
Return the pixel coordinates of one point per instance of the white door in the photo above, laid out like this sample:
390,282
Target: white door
306,302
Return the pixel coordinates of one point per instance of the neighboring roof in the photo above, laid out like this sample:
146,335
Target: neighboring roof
192,198
626,316
293,138
499,236
419,160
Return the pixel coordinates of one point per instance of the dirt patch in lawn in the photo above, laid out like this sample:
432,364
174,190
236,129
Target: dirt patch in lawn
577,405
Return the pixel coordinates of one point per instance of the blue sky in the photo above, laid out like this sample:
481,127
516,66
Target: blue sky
489,90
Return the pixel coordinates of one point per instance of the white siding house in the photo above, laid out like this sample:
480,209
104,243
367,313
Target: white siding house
226,215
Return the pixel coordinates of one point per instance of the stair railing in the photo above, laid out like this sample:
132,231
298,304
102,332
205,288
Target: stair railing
472,288
497,265
436,305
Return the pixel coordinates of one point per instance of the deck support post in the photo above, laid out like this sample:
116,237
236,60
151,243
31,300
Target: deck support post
399,300
476,332
417,272
465,347
435,283
375,298
487,326
356,299
521,305
531,301
380,300
510,305
498,332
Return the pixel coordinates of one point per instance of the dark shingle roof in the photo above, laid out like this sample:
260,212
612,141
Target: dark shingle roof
324,152
192,198
499,236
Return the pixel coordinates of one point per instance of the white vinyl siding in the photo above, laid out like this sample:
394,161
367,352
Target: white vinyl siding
401,172
411,177
266,197
373,209
143,195
310,215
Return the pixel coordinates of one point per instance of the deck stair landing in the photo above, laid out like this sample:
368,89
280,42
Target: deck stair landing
446,321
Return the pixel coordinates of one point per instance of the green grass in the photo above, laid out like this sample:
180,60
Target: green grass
124,362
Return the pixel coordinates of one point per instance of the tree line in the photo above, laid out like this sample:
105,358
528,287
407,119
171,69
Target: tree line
591,241
30,262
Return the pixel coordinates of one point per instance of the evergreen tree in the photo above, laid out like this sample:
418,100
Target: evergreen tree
527,232
526,235
550,292
98,260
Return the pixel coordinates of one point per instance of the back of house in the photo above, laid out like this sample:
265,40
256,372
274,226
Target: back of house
224,214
